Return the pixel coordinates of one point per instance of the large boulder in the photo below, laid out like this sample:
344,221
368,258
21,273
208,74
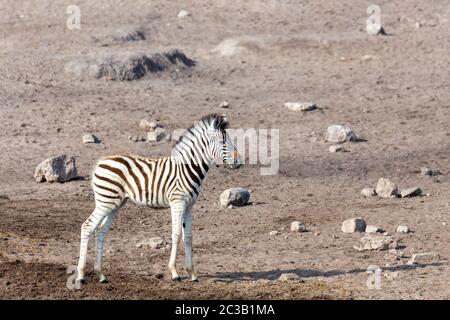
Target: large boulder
386,188
56,169
235,197
376,242
339,134
353,225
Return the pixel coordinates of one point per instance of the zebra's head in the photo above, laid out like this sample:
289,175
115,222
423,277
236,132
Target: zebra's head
220,144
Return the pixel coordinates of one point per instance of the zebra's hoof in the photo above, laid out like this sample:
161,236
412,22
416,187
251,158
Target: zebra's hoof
176,278
103,280
194,280
81,281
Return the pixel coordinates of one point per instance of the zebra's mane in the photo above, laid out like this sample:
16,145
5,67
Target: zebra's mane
220,122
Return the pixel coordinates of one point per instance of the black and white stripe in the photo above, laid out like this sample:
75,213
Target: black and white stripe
166,182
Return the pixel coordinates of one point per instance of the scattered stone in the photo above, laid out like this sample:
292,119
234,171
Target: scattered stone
403,229
394,254
224,104
353,225
373,229
391,275
156,135
411,192
426,171
129,66
386,189
127,34
136,138
368,192
57,169
148,125
339,134
300,106
4,197
368,57
289,277
90,138
273,233
336,148
262,281
297,226
429,172
424,258
183,14
152,243
235,196
376,242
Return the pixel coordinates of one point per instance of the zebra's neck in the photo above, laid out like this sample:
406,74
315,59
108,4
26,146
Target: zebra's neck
193,149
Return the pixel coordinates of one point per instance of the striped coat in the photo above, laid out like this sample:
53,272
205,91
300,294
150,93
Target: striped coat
165,182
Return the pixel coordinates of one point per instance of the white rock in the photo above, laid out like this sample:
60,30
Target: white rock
148,125
353,225
368,57
90,138
386,189
336,148
300,106
56,169
273,233
390,275
297,226
339,134
224,104
403,229
289,277
424,258
235,197
394,254
376,242
368,192
157,135
411,192
373,229
152,243
183,14
426,171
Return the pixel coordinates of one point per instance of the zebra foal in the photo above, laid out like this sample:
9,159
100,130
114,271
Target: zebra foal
165,182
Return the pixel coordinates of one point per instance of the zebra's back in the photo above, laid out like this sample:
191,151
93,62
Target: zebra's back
147,182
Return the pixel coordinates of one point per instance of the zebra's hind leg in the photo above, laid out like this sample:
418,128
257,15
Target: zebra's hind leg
87,229
100,234
187,239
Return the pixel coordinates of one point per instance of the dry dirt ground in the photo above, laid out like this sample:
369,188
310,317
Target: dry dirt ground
398,101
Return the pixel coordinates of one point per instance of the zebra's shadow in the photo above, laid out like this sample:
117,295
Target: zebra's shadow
275,274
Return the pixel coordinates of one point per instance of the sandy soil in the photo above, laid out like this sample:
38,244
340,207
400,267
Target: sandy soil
302,51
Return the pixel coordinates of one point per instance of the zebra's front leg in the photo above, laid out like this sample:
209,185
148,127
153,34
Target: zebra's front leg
177,210
187,239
